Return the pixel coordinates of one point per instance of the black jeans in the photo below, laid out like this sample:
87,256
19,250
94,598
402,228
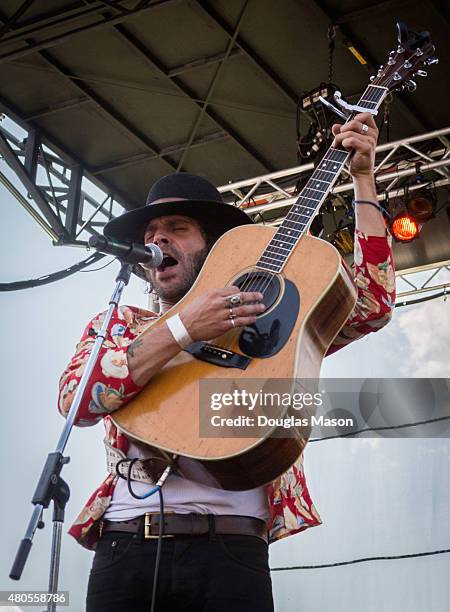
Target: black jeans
220,573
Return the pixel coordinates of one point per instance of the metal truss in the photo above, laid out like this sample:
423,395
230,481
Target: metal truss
70,205
427,154
426,280
57,192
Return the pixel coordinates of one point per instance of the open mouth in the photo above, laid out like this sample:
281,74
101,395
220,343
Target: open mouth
167,262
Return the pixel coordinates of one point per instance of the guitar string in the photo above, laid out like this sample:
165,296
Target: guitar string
267,276
262,286
299,209
291,225
333,156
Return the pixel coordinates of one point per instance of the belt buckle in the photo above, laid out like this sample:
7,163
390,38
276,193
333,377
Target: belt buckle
147,529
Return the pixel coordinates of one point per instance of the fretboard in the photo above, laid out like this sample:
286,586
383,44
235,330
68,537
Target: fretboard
313,195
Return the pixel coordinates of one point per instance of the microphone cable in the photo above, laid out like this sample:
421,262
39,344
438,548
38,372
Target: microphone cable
54,276
156,489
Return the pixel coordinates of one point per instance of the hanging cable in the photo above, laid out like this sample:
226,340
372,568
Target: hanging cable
158,551
331,35
54,276
362,560
100,268
384,427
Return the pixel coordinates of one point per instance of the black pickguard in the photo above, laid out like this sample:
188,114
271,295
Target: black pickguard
272,330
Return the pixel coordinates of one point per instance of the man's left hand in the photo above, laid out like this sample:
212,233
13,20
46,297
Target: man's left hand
352,137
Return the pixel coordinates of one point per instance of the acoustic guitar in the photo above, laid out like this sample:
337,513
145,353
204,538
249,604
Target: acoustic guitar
309,294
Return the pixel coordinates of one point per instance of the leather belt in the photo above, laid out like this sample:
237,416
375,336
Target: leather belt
189,524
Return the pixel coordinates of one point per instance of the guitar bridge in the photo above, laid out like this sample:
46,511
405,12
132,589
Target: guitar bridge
218,355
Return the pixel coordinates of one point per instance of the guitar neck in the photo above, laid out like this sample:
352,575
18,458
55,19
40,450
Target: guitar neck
313,194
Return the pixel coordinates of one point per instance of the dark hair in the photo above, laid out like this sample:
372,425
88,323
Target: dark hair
210,234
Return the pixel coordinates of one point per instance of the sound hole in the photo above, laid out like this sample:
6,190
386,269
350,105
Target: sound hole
264,282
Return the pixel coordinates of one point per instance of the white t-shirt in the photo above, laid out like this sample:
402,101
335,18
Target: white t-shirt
183,497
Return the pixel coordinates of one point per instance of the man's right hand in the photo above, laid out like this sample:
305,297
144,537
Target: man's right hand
208,316
205,318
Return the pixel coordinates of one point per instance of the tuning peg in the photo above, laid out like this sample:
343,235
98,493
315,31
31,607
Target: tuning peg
422,73
432,60
411,85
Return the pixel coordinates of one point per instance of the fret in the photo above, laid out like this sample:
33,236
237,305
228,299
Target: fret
316,179
311,198
311,189
366,102
376,92
296,221
335,162
327,165
296,213
341,153
324,168
281,243
312,194
315,189
280,233
264,267
293,212
323,171
271,246
288,235
303,206
264,256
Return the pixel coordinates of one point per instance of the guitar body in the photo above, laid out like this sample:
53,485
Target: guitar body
311,300
307,304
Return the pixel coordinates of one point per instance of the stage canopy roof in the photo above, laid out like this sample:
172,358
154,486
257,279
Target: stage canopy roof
134,90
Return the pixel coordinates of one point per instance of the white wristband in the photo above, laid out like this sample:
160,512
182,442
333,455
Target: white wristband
178,331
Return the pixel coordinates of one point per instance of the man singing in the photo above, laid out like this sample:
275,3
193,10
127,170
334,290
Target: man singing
215,550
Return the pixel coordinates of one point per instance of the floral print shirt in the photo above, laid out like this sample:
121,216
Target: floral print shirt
110,387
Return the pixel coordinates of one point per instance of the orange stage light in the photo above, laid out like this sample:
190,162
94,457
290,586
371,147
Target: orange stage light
404,228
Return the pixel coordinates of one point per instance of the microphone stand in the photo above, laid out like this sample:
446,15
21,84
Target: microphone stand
51,486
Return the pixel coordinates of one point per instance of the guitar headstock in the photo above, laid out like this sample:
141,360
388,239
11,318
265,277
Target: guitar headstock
414,52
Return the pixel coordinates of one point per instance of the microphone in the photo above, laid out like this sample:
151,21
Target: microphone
128,252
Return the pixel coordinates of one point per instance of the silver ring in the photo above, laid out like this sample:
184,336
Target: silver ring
235,300
231,315
364,128
233,324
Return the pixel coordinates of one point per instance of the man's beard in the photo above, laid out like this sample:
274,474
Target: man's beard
192,265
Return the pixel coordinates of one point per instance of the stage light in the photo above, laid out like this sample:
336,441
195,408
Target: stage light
404,227
421,205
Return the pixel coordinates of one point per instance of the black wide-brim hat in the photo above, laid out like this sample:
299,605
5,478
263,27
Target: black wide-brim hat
201,201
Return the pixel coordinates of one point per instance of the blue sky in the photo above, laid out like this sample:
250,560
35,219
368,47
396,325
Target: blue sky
376,497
